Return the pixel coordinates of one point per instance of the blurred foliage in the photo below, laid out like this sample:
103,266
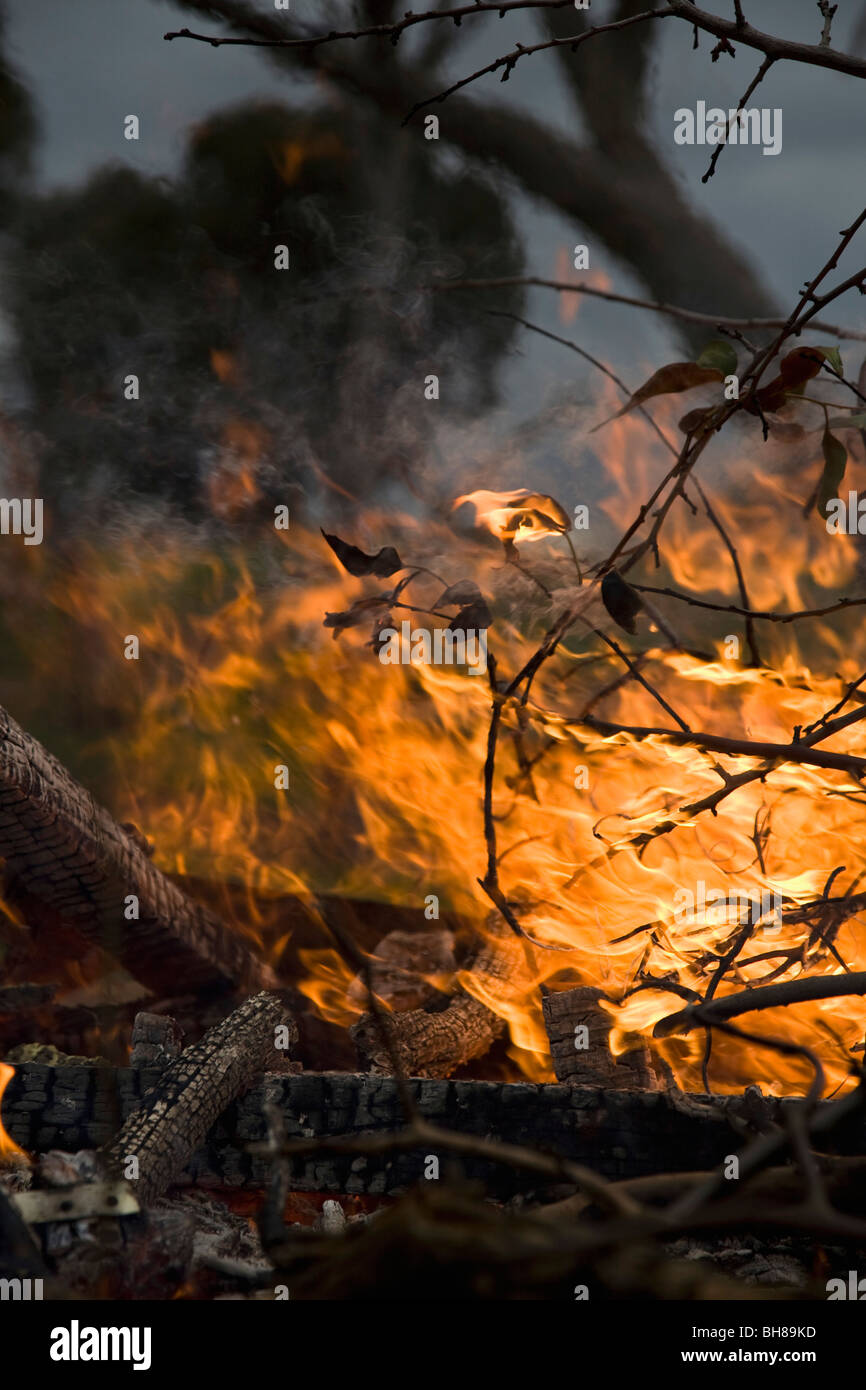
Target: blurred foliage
255,384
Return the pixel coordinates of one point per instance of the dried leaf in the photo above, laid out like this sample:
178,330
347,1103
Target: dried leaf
622,602
473,618
385,562
835,461
677,376
382,624
800,366
464,591
505,513
787,431
358,613
795,370
533,520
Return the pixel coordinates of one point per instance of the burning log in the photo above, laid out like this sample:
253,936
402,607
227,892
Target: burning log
430,1044
193,1091
402,965
578,1029
436,1043
72,854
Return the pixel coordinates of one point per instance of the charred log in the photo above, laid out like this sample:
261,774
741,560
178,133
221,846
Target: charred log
619,1134
578,1030
191,1094
434,1044
73,855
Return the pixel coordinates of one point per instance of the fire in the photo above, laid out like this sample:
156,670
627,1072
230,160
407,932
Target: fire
233,485
225,367
292,155
516,516
10,1152
238,677
569,303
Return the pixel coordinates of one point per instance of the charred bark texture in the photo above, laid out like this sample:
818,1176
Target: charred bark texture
72,854
429,1044
192,1092
585,1058
434,1044
619,1134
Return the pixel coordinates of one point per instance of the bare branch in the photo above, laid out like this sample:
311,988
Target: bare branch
771,997
756,80
509,61
765,615
381,31
739,747
718,321
828,11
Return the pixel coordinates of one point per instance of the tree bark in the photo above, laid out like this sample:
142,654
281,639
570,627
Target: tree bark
72,854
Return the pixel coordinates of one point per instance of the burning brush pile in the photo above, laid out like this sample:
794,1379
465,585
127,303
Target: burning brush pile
479,895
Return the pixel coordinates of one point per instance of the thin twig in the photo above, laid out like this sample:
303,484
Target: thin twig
758,78
719,321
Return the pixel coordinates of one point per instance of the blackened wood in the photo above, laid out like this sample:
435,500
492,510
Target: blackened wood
434,1044
192,1092
19,1254
156,1040
620,1134
592,1065
72,854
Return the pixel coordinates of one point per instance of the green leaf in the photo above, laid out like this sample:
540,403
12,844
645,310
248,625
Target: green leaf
834,357
720,355
835,461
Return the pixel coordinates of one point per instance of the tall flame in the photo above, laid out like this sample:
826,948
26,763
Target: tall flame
237,677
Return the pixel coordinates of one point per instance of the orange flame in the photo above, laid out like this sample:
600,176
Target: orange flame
385,786
10,1152
569,302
